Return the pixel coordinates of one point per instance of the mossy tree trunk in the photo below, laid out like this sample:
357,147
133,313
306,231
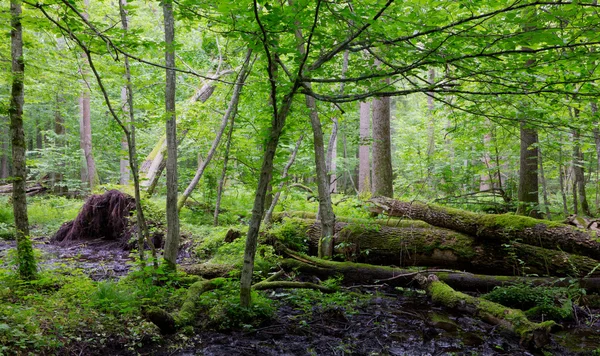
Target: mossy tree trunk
418,245
500,228
26,261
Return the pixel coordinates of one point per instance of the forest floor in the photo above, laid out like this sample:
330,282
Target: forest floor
379,322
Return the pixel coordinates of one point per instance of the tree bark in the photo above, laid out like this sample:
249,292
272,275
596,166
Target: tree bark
4,172
231,110
89,175
364,164
579,181
544,185
124,161
325,207
500,228
535,335
154,164
172,240
360,273
26,261
223,174
430,246
528,174
383,180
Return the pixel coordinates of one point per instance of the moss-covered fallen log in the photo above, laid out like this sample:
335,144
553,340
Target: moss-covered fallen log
361,273
514,320
416,245
207,270
493,227
168,323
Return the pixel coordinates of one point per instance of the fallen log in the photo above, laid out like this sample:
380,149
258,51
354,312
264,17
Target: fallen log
169,323
532,334
360,273
436,247
31,189
502,228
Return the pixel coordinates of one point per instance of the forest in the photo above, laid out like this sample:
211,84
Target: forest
300,177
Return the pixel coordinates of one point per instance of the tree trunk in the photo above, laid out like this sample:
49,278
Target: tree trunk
364,164
331,156
544,185
172,240
154,164
89,175
4,172
535,335
360,273
26,261
500,228
258,208
561,180
325,207
579,181
383,180
528,174
223,174
231,110
594,108
269,214
124,161
436,247
130,137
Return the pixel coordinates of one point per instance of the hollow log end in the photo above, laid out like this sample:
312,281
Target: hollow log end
162,319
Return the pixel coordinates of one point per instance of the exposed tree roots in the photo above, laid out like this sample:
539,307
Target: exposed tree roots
103,216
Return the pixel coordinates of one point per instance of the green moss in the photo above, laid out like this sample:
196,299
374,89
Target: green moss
514,222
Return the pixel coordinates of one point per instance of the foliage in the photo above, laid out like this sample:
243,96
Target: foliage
223,311
292,233
551,302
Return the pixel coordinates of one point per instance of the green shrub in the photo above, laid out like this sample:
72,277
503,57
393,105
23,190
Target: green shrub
223,310
552,302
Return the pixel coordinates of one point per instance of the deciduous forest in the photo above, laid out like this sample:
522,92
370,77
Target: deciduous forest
300,177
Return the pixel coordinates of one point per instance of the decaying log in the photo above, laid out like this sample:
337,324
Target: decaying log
31,189
360,273
207,270
415,245
514,320
502,228
291,285
169,323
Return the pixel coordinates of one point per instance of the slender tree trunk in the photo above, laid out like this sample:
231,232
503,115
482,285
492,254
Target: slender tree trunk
561,180
596,130
278,122
172,240
269,214
27,267
153,166
223,173
127,97
364,164
231,110
579,176
544,185
331,156
4,173
124,161
89,174
325,207
528,173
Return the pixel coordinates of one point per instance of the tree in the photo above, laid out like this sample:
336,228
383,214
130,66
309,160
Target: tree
172,240
383,179
26,261
364,164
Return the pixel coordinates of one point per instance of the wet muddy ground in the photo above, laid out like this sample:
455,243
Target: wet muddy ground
390,323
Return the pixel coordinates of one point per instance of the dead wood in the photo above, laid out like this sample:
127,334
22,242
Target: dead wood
103,216
532,334
360,273
291,285
501,228
425,245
